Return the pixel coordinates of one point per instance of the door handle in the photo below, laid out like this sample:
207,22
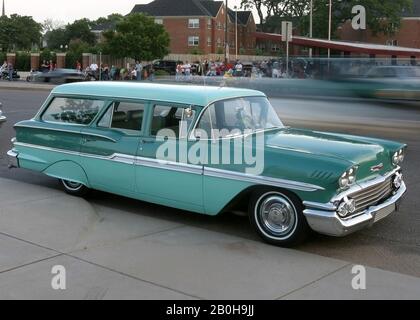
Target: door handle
144,141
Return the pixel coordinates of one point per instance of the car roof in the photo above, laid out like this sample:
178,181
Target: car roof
183,94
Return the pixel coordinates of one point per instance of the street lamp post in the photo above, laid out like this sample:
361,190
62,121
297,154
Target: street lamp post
310,26
226,32
329,27
236,33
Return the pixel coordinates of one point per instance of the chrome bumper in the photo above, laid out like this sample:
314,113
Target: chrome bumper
329,223
13,159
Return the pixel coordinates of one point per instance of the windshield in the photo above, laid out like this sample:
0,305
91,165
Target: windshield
233,117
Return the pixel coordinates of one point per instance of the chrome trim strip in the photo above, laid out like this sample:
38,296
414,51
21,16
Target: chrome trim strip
322,206
169,165
68,131
188,168
281,183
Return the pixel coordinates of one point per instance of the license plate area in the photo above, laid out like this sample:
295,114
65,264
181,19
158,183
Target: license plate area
384,212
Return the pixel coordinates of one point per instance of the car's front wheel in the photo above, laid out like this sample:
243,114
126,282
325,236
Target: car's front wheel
75,188
278,217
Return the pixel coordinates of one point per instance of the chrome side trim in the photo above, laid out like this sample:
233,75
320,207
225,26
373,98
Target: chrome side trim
281,183
68,131
169,165
188,168
322,206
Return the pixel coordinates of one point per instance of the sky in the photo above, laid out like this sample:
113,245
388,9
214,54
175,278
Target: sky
70,10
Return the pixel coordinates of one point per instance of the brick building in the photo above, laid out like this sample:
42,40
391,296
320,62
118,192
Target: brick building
198,26
407,36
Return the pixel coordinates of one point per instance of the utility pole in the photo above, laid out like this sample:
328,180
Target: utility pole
226,33
236,33
329,27
310,26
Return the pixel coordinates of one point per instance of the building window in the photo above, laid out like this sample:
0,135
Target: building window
158,21
219,25
208,23
193,23
275,47
219,42
392,43
209,41
193,41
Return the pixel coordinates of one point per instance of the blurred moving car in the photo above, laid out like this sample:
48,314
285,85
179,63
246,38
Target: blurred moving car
57,76
388,82
2,117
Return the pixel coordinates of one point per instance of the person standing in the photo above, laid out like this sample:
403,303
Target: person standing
10,68
139,69
187,70
178,74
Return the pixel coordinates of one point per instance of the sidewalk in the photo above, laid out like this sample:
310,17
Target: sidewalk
23,85
111,253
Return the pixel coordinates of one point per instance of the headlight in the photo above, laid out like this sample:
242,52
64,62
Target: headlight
398,157
346,207
347,178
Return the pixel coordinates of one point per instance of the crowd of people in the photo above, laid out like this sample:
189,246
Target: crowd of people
105,72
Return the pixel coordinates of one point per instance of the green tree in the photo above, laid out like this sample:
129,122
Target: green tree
113,18
382,16
137,36
19,32
79,30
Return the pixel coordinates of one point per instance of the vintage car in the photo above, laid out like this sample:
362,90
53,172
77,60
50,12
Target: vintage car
150,141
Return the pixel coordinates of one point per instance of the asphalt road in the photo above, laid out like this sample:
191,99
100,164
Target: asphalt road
393,244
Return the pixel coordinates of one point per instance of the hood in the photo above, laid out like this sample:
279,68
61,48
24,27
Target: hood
365,153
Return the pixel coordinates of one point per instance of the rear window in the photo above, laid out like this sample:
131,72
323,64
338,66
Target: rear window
72,110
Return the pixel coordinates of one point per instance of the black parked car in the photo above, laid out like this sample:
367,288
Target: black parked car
168,66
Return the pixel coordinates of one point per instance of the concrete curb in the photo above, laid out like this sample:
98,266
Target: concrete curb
22,85
37,224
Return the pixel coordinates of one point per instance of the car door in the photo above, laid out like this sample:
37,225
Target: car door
168,176
109,147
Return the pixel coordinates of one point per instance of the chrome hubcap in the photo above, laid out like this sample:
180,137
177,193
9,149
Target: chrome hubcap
72,185
277,215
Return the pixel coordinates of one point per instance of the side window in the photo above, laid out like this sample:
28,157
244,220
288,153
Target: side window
177,119
124,116
207,123
72,110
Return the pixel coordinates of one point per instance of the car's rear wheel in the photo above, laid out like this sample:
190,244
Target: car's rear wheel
278,218
75,188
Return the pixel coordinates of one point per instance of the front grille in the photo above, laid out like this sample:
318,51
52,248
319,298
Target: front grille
372,195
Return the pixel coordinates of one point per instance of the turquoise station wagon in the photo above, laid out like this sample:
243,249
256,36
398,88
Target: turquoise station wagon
210,150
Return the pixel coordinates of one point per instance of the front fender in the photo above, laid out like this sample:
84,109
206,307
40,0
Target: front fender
68,170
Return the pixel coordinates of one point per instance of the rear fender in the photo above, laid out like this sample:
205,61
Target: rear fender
68,170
